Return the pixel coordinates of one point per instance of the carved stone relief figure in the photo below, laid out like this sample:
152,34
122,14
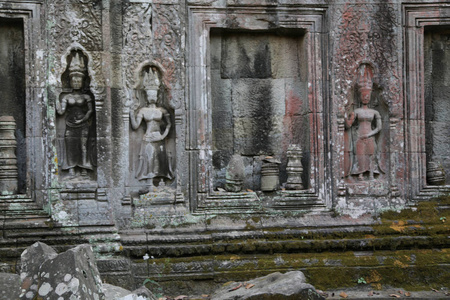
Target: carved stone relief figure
363,126
77,107
153,160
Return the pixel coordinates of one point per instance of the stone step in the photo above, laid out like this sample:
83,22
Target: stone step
15,198
21,208
18,206
27,211
32,217
18,203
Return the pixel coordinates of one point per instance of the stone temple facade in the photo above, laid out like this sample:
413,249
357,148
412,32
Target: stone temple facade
204,140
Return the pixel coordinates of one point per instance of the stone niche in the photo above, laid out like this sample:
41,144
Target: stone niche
152,139
76,121
437,104
366,160
427,33
263,95
12,89
259,100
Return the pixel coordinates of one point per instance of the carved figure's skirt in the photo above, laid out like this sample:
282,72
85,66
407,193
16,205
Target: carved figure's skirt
76,141
153,161
365,158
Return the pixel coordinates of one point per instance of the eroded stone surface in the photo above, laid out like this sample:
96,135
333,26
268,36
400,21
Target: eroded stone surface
114,292
141,293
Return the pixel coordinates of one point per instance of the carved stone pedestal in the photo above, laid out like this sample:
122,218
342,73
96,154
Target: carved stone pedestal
157,197
270,173
8,161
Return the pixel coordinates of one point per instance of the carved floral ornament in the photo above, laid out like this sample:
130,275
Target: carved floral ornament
78,22
369,37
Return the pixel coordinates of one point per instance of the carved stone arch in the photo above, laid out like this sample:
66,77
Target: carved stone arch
146,64
165,86
375,79
97,85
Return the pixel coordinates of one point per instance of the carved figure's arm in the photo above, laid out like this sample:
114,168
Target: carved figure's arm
135,120
168,123
351,119
378,126
61,107
89,112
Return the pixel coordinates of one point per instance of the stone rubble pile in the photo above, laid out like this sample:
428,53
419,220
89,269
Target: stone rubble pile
70,275
74,275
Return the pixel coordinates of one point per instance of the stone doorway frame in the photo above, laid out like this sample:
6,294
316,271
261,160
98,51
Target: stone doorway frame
199,124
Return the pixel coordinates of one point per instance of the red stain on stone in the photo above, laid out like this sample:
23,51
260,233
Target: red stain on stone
293,104
26,283
293,108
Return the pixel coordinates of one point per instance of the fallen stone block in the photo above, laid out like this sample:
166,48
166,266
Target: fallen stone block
288,286
70,275
30,260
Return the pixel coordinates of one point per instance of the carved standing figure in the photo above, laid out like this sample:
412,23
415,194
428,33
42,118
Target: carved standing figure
78,108
367,123
153,160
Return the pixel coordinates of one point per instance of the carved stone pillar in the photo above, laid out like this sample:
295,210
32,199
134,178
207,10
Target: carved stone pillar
8,161
294,168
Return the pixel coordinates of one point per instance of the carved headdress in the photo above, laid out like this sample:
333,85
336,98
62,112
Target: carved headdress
151,80
365,76
77,66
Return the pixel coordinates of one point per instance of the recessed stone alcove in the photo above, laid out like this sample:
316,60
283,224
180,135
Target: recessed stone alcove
254,90
259,99
437,96
76,121
12,87
427,98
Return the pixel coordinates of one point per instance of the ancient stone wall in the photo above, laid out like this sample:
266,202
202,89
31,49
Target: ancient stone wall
173,121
